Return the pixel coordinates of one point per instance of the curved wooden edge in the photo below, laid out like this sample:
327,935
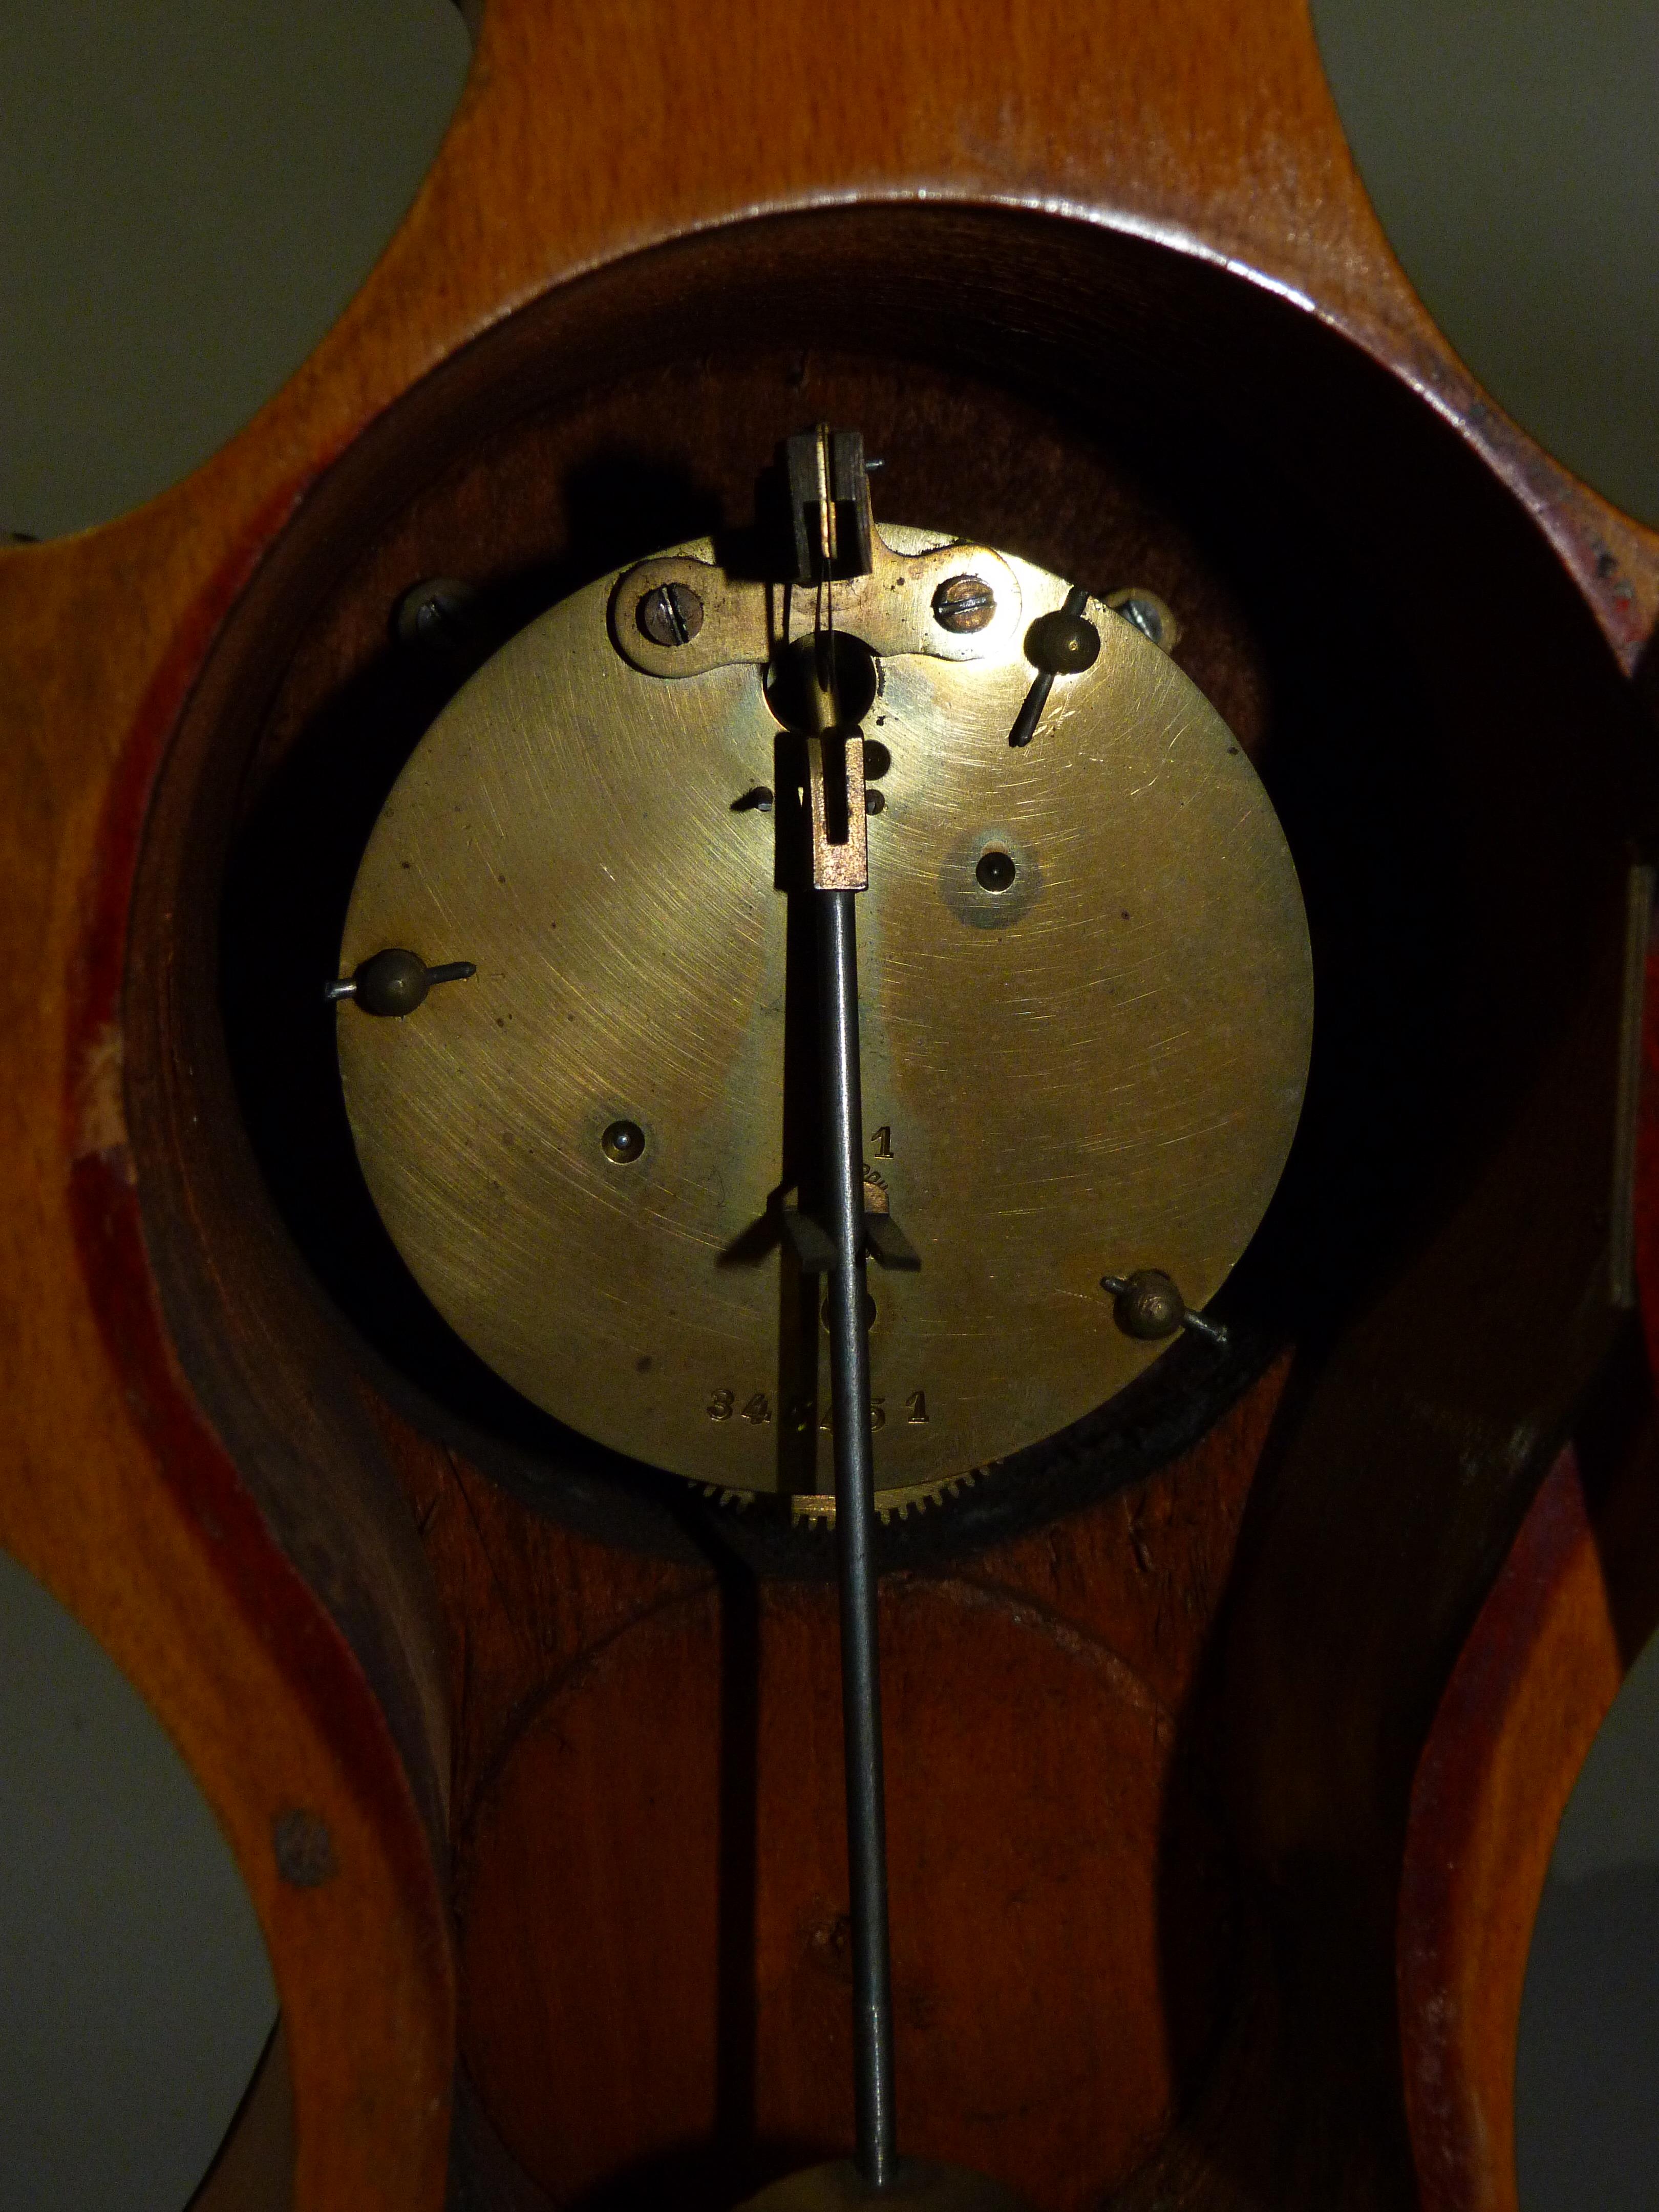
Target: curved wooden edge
174,1565
253,2168
1577,1599
235,1659
1531,1687
584,134
119,1498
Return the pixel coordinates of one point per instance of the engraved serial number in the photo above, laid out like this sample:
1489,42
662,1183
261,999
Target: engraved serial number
757,1411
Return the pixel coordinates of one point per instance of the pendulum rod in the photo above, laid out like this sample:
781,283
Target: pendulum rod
860,1665
840,870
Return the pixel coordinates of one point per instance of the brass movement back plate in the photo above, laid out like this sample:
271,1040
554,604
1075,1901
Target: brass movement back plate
1097,1069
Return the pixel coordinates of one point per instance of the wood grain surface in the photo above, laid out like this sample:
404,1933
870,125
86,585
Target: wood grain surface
258,1577
655,1994
1577,1599
1575,1602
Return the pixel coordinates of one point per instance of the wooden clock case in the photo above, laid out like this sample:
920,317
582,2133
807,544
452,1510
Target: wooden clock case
1226,1738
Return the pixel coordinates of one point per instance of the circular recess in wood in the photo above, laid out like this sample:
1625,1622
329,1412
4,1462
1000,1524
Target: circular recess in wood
1110,409
653,1909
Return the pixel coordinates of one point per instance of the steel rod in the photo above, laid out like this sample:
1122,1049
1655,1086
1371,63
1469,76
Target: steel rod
855,1514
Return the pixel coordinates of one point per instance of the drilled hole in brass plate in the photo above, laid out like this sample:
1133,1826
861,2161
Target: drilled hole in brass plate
622,1143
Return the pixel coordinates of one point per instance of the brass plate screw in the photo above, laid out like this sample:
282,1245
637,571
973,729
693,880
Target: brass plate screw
964,604
671,615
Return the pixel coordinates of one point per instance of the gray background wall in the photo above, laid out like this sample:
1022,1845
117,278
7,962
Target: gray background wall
192,191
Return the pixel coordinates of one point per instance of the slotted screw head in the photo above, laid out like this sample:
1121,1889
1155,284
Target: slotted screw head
1148,614
438,617
964,604
669,615
1144,615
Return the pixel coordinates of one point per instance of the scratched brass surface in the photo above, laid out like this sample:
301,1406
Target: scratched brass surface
1098,1069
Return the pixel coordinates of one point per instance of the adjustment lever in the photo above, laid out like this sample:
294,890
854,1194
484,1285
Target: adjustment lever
1063,643
1148,1305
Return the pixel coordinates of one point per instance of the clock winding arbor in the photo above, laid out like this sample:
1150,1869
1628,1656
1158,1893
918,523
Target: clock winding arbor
1234,1677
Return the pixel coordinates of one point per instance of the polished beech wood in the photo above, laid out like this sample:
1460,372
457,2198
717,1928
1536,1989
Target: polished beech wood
216,1474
